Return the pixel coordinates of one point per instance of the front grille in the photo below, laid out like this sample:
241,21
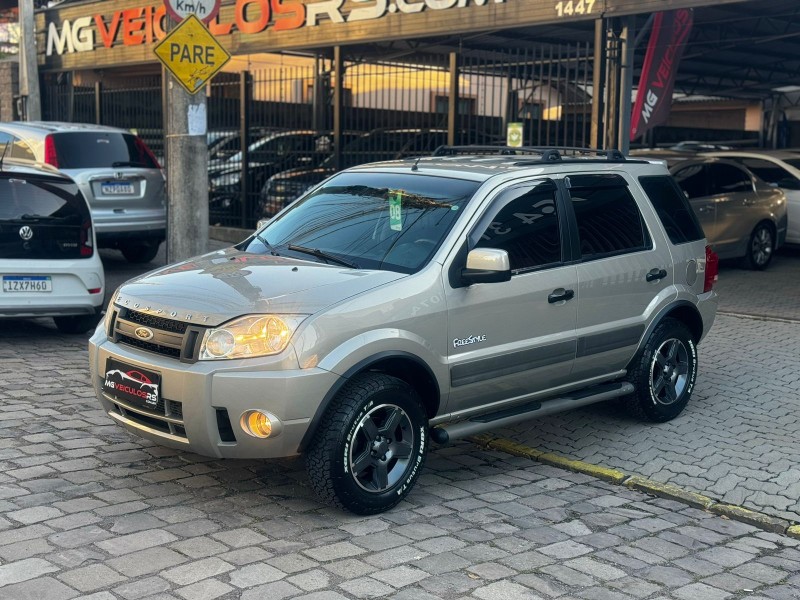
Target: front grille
171,338
152,321
166,417
155,348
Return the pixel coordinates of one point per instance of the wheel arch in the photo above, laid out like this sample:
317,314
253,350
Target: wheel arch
402,365
683,311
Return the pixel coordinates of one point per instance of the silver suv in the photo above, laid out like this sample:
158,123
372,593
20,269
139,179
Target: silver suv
416,300
115,171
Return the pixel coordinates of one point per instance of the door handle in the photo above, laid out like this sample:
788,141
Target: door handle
560,294
656,274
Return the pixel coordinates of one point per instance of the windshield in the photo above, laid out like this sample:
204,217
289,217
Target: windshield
100,149
384,221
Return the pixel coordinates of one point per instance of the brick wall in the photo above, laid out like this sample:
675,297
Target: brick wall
9,87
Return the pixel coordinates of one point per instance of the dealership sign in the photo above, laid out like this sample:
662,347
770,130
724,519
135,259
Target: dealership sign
146,24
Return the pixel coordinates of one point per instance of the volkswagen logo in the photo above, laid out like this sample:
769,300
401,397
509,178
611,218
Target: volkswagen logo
26,233
143,333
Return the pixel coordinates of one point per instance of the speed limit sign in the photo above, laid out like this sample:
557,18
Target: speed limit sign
205,10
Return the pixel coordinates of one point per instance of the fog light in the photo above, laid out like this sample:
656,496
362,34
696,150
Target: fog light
257,424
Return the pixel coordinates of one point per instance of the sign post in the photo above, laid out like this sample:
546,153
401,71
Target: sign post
192,56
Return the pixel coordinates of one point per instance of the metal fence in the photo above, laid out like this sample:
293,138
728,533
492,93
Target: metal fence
392,107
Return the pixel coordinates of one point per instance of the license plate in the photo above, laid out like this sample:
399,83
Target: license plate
27,283
130,384
116,188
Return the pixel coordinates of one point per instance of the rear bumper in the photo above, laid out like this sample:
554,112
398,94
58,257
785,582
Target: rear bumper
109,239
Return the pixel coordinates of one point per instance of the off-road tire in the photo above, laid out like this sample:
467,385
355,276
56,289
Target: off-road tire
139,252
663,373
76,324
353,427
760,248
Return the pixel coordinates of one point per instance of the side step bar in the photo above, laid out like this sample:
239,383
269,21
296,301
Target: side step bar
480,423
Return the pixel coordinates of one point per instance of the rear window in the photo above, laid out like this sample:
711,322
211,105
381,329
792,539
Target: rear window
40,218
672,208
101,149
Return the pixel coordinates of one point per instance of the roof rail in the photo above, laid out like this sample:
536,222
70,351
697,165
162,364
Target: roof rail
546,153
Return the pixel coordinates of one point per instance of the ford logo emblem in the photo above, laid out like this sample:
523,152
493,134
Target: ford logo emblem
143,333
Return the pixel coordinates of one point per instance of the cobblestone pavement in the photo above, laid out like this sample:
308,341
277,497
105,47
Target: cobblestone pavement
774,292
88,511
738,438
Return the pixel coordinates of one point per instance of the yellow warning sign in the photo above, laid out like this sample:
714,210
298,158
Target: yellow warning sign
191,54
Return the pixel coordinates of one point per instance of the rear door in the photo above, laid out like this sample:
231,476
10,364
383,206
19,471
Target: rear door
510,339
736,204
115,172
621,273
41,218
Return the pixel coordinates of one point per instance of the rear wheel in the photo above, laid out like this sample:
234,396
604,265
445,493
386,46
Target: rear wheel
140,251
760,247
370,447
663,373
77,324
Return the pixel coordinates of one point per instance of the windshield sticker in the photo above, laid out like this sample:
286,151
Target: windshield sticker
395,212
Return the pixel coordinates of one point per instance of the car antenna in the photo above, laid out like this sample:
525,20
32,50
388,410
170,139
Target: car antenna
413,167
3,156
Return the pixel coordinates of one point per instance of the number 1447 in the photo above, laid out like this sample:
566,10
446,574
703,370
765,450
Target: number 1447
581,7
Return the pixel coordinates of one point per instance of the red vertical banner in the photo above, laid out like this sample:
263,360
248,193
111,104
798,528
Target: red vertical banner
654,95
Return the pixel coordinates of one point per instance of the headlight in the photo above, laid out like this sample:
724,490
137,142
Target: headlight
289,188
109,312
246,337
226,180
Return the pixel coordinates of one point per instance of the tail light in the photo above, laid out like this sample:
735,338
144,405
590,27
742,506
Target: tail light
145,154
712,269
87,245
50,155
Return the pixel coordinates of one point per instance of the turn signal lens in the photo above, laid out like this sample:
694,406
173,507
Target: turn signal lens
257,424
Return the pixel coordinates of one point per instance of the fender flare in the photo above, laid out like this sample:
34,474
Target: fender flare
360,366
660,316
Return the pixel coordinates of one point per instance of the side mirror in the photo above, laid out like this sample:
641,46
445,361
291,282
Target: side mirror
486,265
261,223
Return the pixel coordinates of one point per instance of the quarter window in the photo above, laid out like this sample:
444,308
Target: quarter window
672,208
527,228
609,222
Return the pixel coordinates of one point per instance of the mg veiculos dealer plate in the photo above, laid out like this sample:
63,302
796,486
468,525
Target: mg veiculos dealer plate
133,385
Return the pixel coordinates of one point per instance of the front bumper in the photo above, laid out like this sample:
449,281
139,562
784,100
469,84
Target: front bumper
195,395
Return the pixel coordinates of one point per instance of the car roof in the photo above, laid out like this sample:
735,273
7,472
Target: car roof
23,128
480,167
776,154
28,168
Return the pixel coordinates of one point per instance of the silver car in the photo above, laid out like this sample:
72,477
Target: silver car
742,216
116,172
779,168
416,300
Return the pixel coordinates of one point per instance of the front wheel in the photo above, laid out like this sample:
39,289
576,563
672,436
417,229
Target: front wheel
370,446
760,248
663,373
139,252
75,325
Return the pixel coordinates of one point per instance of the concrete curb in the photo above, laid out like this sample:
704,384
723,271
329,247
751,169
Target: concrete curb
642,484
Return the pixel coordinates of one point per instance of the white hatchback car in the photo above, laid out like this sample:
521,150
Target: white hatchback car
48,263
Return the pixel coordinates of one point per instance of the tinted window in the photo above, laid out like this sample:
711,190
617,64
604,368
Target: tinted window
766,170
726,179
53,210
91,150
526,228
693,181
672,208
375,220
609,222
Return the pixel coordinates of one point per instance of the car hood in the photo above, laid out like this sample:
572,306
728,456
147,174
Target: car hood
216,287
